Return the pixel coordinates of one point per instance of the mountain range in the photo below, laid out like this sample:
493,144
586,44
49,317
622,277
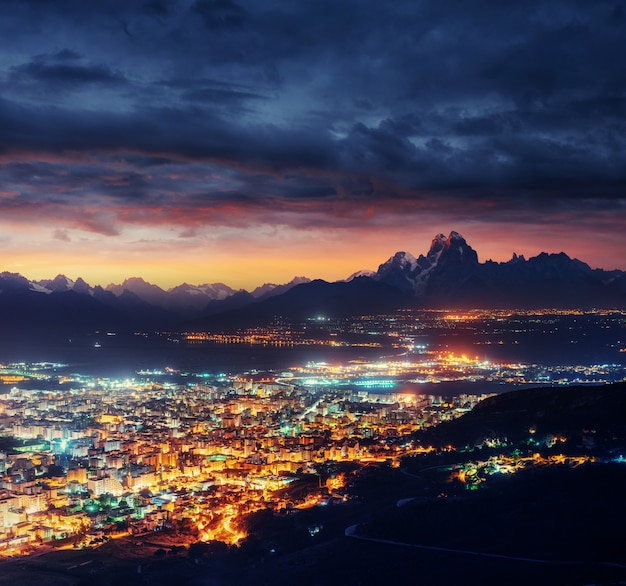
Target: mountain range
449,275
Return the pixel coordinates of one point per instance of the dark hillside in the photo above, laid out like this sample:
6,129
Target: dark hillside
571,411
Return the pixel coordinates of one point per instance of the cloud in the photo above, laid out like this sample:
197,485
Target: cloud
348,113
220,13
61,73
61,235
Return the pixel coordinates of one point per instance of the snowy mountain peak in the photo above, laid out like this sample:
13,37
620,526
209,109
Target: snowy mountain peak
271,290
62,284
361,273
58,284
210,291
299,281
409,274
402,260
263,289
400,271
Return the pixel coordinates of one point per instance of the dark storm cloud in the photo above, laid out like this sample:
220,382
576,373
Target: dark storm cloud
209,92
220,13
51,73
192,133
488,102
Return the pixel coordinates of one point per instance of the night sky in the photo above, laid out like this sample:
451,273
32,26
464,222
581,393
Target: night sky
255,140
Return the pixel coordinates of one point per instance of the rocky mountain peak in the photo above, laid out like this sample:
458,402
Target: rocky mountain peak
455,250
80,286
437,245
59,283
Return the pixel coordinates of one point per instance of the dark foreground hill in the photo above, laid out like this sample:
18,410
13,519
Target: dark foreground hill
589,413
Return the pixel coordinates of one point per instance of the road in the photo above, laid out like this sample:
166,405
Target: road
351,532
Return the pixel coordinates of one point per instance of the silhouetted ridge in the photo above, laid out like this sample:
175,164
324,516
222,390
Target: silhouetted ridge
538,412
360,296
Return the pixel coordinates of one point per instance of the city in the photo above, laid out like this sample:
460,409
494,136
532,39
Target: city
87,458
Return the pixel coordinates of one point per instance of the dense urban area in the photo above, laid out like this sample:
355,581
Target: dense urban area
140,455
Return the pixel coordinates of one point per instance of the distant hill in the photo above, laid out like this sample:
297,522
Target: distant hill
360,296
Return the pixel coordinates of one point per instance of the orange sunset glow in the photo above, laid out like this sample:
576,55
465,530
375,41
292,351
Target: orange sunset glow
247,257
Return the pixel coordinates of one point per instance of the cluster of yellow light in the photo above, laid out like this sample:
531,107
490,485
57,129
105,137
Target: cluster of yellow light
336,482
222,527
12,378
271,338
450,358
462,317
504,464
428,366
